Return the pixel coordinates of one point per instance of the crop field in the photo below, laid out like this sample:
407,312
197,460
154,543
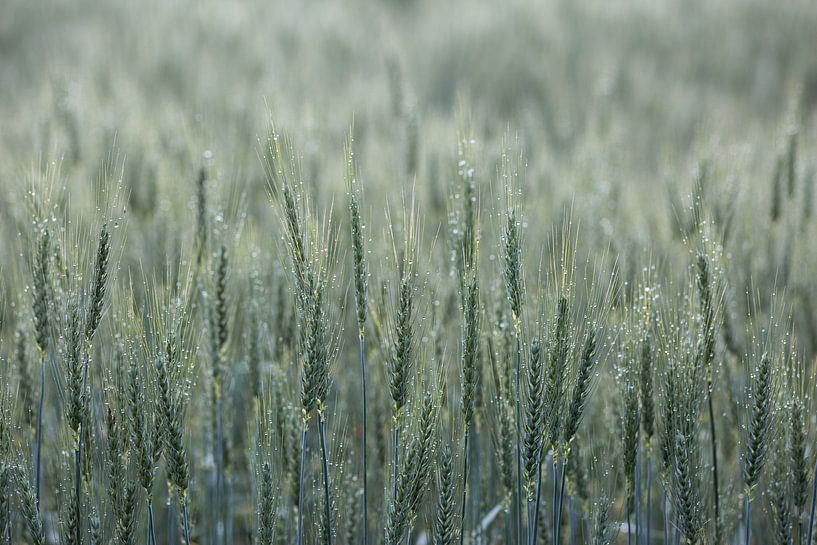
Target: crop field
408,272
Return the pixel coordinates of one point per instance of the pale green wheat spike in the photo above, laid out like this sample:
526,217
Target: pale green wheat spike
604,531
28,505
557,371
470,350
266,509
760,434
798,463
99,286
646,388
581,389
402,356
445,527
760,426
780,497
630,428
534,425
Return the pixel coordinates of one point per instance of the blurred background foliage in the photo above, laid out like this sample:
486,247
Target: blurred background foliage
615,104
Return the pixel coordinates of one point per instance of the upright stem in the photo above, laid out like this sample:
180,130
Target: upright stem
477,480
151,530
637,498
301,488
464,484
714,463
327,505
518,436
38,456
219,467
559,503
747,530
77,491
813,506
555,498
648,514
362,349
535,526
186,523
666,519
530,518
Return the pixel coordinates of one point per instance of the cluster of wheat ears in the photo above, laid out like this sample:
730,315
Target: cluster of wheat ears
522,395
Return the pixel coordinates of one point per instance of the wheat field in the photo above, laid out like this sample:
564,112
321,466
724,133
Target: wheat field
408,272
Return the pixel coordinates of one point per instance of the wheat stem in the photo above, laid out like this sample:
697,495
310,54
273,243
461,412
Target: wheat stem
518,436
637,498
151,530
538,502
747,519
647,510
77,490
364,440
186,523
555,471
38,461
714,443
301,485
326,499
560,502
665,514
813,508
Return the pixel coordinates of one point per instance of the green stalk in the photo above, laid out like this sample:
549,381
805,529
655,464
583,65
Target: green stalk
518,435
477,484
648,514
219,467
151,530
185,522
326,499
637,498
560,502
555,496
301,486
535,525
77,490
714,463
38,456
362,350
813,507
747,518
666,518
